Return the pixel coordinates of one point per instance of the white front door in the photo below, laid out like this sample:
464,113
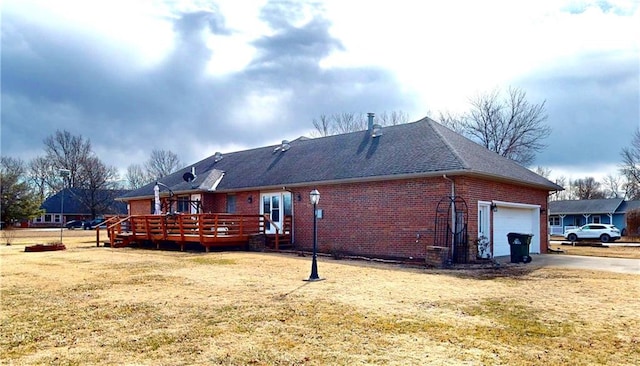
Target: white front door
484,230
276,205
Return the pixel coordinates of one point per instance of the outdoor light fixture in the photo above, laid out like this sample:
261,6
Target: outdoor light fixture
250,199
314,197
494,207
64,173
299,197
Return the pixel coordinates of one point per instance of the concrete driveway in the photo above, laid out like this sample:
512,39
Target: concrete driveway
619,265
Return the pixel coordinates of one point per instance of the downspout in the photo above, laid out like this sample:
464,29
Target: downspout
453,214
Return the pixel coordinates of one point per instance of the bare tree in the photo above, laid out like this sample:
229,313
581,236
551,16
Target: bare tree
161,163
338,123
612,186
511,126
453,121
95,180
136,176
392,118
542,171
630,167
323,125
98,186
562,195
587,188
40,173
65,151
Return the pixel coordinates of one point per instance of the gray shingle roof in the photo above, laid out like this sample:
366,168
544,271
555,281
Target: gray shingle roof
577,207
75,199
423,148
627,206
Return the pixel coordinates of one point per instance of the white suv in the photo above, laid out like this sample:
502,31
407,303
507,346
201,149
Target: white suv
605,232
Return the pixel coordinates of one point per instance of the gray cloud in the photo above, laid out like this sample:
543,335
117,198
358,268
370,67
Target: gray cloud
54,79
593,108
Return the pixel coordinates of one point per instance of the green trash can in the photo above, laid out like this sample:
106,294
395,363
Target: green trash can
519,245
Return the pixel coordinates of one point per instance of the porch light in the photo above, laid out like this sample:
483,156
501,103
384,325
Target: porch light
314,197
494,207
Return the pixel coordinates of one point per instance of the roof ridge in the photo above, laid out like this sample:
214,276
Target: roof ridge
430,122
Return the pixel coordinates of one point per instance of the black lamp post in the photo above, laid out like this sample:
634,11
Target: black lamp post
314,196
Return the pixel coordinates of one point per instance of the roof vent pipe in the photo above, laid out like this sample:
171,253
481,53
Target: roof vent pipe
377,130
370,115
285,145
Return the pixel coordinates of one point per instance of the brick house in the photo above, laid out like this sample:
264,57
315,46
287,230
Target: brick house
385,193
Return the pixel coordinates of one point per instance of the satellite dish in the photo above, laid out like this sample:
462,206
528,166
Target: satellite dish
188,177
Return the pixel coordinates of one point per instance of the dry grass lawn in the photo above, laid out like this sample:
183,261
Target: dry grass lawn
90,305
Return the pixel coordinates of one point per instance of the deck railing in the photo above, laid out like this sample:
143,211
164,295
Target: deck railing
206,229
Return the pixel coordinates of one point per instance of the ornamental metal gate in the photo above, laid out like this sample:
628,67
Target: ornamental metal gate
451,228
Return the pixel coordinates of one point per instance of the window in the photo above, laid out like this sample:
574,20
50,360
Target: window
287,204
47,218
183,204
231,203
554,220
595,219
57,218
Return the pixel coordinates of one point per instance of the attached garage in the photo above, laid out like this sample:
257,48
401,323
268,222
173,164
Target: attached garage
512,217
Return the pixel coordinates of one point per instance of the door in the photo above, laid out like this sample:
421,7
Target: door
276,205
515,219
484,230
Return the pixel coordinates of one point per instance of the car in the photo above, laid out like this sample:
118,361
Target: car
604,232
92,224
74,224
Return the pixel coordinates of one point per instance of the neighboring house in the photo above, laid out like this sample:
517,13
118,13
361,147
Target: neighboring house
72,201
385,193
569,214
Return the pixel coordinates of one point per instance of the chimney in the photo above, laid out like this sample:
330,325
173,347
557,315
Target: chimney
370,115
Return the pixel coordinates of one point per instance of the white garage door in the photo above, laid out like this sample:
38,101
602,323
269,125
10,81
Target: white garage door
515,220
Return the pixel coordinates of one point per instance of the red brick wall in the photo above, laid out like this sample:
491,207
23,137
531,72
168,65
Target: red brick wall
390,219
384,218
372,219
140,207
476,189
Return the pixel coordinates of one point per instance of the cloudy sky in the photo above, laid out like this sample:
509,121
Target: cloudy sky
196,77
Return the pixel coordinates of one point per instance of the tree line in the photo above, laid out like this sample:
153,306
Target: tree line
24,186
502,121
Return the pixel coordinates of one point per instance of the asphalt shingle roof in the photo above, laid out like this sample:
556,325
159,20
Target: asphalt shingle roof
421,148
73,202
575,207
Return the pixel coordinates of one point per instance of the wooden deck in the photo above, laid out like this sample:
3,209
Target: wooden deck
209,230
